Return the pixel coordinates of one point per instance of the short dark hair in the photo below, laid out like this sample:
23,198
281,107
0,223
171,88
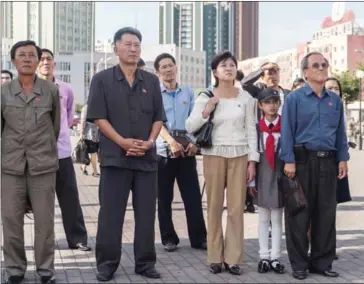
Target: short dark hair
140,63
162,56
338,83
24,43
239,75
220,57
127,30
297,82
8,72
304,62
46,50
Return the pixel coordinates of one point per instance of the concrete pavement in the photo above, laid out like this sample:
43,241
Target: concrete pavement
188,265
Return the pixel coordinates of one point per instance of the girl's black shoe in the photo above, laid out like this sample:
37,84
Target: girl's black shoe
233,269
215,268
276,266
263,266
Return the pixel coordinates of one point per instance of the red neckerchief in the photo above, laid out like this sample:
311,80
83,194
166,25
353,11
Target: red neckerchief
269,148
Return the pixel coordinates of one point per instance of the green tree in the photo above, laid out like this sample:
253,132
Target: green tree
350,86
78,108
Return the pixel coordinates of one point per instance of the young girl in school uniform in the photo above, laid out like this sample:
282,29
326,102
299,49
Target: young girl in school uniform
270,198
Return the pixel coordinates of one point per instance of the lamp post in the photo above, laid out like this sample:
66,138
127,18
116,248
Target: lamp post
360,75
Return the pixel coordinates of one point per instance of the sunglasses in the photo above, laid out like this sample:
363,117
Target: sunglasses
317,65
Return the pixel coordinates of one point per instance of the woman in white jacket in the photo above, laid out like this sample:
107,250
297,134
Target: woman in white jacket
229,163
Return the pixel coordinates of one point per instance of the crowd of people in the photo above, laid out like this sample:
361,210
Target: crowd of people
147,130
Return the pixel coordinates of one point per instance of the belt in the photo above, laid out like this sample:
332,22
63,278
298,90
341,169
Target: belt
179,133
322,154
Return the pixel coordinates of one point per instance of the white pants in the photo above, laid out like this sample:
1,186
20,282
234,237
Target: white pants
265,216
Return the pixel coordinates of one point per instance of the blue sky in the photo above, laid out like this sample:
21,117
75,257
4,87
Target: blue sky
282,24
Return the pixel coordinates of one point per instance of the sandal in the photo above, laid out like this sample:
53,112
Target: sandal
277,266
96,175
233,269
215,268
263,266
84,171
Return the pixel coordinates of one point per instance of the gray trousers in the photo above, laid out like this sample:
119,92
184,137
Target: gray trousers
41,191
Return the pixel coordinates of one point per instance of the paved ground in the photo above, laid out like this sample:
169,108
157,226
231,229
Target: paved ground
188,265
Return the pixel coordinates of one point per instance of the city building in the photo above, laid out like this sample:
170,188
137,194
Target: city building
190,63
211,27
58,26
105,46
6,13
340,38
75,69
6,44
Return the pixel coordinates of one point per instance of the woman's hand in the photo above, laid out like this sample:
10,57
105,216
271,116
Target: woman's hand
250,176
210,106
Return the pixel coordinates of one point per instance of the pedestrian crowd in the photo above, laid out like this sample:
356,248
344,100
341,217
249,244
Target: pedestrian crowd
261,144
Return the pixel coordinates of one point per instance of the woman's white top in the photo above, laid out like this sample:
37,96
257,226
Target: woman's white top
234,133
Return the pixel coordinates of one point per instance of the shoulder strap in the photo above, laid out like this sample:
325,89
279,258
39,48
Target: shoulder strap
209,94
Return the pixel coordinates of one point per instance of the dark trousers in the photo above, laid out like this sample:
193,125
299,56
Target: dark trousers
115,185
319,180
69,202
185,172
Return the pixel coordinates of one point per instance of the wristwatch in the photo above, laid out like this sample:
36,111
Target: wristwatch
153,142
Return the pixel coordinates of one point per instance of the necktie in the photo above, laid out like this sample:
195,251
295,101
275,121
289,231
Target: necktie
269,148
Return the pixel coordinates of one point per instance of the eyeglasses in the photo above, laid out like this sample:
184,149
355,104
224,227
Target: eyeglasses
323,65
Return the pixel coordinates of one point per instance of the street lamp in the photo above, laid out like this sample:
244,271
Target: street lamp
360,75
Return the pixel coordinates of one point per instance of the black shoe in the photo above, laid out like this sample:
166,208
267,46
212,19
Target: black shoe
233,269
215,268
170,247
336,257
326,273
15,279
263,266
250,208
299,274
48,279
81,247
202,246
276,266
150,273
103,277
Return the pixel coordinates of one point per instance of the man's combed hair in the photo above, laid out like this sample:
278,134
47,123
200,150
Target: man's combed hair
24,43
127,30
160,57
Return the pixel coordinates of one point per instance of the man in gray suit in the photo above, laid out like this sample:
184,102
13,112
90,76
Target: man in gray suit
30,116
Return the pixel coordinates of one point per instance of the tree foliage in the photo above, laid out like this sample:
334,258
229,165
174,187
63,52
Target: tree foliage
78,108
350,86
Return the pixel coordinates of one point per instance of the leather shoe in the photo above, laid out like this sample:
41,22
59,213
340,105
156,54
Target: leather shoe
170,247
81,247
299,274
48,279
15,279
326,273
150,273
103,277
202,246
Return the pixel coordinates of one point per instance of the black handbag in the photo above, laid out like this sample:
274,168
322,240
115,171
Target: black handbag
293,194
80,153
204,134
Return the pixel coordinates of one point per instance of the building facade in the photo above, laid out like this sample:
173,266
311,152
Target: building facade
339,41
58,26
191,64
211,27
104,46
6,10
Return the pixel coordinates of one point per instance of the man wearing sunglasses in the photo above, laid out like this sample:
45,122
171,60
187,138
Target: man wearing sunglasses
313,143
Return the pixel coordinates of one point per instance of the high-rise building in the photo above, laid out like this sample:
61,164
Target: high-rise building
212,27
6,9
63,27
104,46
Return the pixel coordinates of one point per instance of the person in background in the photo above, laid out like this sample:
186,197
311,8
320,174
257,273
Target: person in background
318,161
30,126
298,83
270,198
178,103
141,64
6,76
229,163
126,104
66,183
91,135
